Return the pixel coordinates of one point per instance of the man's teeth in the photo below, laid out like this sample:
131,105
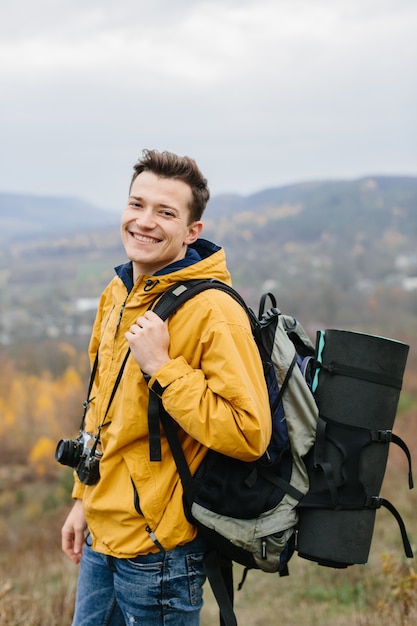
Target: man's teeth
145,239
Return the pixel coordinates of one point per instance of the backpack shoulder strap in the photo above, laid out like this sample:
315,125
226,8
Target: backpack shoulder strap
219,573
218,570
165,305
168,302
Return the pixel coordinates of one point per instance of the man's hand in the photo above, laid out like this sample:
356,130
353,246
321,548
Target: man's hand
73,533
149,342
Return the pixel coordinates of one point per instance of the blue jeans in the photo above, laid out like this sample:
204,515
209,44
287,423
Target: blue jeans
163,589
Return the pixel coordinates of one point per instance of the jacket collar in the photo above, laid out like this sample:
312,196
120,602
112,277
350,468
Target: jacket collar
195,252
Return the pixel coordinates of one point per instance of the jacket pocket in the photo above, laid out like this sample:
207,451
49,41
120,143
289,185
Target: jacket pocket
136,500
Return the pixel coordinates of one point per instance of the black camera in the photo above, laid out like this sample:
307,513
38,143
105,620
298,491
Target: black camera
83,454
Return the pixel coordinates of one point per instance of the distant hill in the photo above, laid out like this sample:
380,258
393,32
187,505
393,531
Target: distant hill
25,216
301,211
304,211
307,191
345,251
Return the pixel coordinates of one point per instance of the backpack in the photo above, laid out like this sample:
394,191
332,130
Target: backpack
248,510
251,512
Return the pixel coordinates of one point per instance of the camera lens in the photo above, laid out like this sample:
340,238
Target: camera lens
68,452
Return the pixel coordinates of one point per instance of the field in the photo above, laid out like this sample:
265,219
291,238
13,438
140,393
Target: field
37,583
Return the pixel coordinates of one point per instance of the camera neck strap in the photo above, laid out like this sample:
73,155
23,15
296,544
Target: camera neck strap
89,399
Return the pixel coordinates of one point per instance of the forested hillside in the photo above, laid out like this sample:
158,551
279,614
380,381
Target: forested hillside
335,253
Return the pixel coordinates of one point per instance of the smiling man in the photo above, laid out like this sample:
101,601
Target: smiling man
156,229
140,559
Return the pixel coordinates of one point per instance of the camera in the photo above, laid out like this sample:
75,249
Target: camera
82,454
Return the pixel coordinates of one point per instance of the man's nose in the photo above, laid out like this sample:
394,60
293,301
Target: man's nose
146,218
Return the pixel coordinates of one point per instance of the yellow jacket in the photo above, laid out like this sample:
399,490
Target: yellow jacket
215,392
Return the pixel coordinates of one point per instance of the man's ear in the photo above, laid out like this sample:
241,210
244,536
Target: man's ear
194,231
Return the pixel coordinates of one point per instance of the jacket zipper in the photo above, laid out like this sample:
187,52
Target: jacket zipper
154,539
122,308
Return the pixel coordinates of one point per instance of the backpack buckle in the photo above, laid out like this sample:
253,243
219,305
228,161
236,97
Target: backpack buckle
374,502
381,436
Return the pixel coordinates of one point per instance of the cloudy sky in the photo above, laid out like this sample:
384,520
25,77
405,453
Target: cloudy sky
260,92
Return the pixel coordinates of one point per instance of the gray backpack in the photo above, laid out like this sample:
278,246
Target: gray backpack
251,513
248,511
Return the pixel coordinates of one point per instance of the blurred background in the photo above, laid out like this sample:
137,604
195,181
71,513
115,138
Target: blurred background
301,114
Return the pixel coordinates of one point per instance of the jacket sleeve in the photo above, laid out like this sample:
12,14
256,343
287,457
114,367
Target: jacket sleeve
215,388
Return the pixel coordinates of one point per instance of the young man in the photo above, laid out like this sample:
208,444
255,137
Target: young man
142,560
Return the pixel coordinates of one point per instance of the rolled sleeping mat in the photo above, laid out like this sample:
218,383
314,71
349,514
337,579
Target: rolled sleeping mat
357,387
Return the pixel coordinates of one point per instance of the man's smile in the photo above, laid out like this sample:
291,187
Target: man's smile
144,238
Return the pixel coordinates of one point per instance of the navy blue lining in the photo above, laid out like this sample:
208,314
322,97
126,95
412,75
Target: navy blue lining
195,253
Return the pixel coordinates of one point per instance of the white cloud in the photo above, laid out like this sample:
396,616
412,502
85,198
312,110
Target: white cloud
260,92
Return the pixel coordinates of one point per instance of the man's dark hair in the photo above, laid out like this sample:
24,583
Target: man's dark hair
170,165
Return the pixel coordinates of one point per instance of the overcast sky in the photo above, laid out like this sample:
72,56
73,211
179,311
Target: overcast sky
260,92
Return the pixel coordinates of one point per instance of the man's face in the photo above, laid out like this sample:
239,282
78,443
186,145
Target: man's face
154,227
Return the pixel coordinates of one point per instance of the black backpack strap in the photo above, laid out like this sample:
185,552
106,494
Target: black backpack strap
387,436
218,569
168,302
220,576
165,305
177,452
154,407
375,502
262,303
320,462
284,385
278,482
351,371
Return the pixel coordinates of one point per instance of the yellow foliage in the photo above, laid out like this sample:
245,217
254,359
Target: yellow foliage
7,417
44,404
71,379
68,350
42,455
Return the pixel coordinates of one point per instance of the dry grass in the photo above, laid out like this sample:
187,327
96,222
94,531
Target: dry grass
37,583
